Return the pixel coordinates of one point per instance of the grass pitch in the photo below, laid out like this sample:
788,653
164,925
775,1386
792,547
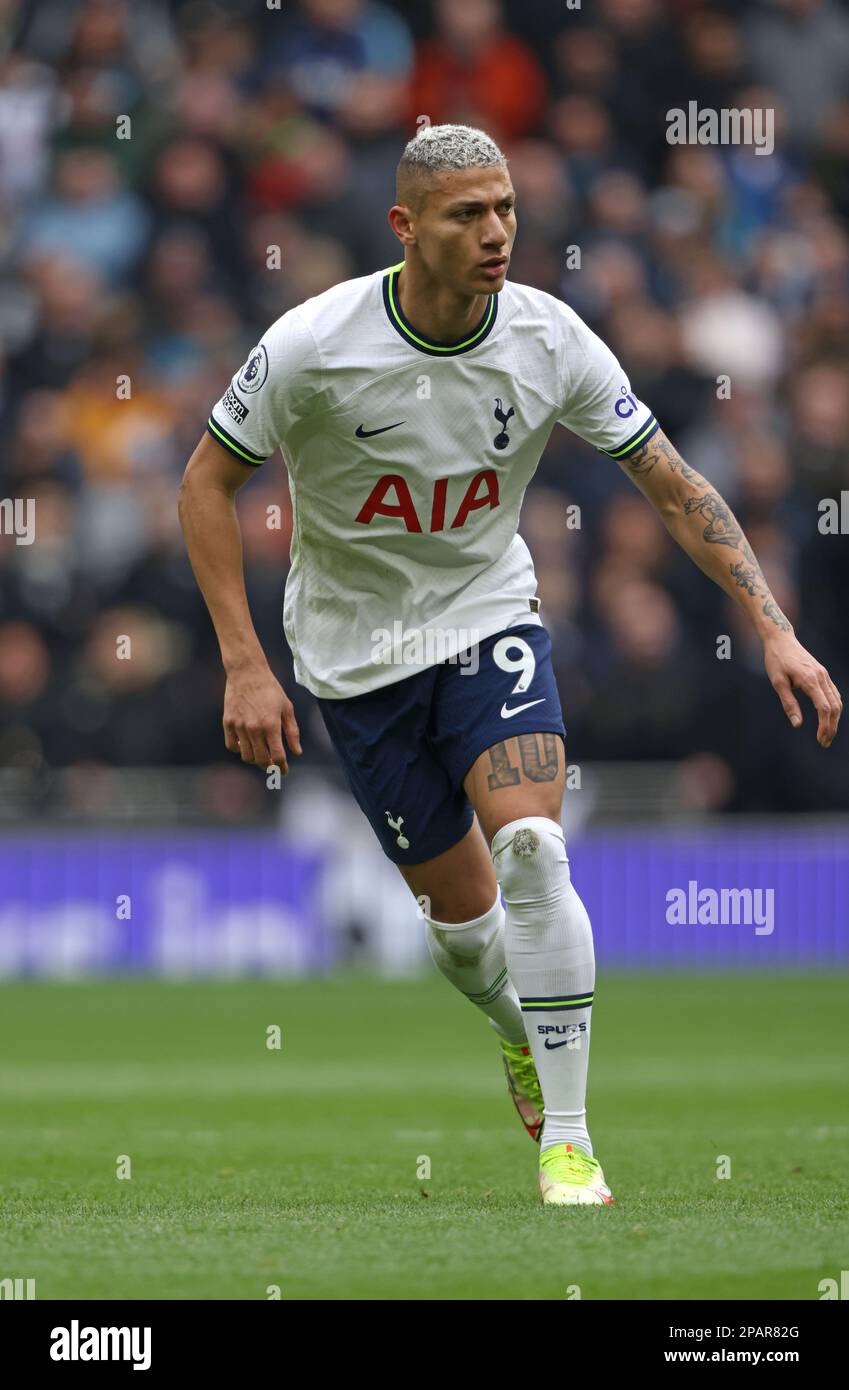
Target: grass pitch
299,1167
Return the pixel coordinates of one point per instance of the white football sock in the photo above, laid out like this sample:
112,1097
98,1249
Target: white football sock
471,956
550,959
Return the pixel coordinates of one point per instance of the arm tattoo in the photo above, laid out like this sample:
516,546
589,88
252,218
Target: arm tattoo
721,525
723,528
750,578
657,448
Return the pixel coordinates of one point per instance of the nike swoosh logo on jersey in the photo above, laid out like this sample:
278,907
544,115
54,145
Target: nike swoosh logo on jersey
365,434
551,1046
508,713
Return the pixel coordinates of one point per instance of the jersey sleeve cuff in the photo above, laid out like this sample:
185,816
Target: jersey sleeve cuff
636,441
235,447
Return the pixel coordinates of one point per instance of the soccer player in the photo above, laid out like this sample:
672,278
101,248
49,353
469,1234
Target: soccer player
412,406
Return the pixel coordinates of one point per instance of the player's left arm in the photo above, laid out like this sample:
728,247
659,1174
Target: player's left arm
707,529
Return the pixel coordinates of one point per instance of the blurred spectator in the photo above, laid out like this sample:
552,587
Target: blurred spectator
801,48
476,73
327,50
27,114
646,682
89,215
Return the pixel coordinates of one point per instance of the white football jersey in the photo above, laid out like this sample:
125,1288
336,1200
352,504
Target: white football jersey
408,461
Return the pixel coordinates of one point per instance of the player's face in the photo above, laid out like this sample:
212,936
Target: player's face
466,229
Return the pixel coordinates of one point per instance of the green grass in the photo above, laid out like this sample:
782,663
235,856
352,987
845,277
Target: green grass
297,1167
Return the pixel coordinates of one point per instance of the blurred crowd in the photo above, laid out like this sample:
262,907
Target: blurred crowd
150,155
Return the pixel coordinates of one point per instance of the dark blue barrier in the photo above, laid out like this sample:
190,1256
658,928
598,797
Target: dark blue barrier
744,895
236,903
180,903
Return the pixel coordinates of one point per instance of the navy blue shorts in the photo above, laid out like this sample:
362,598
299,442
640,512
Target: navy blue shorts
407,747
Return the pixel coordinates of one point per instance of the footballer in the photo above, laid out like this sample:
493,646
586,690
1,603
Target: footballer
412,406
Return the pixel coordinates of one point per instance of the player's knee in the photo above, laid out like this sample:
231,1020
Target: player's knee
530,858
455,906
465,943
454,944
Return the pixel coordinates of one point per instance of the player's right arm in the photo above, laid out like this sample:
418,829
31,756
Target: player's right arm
257,712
